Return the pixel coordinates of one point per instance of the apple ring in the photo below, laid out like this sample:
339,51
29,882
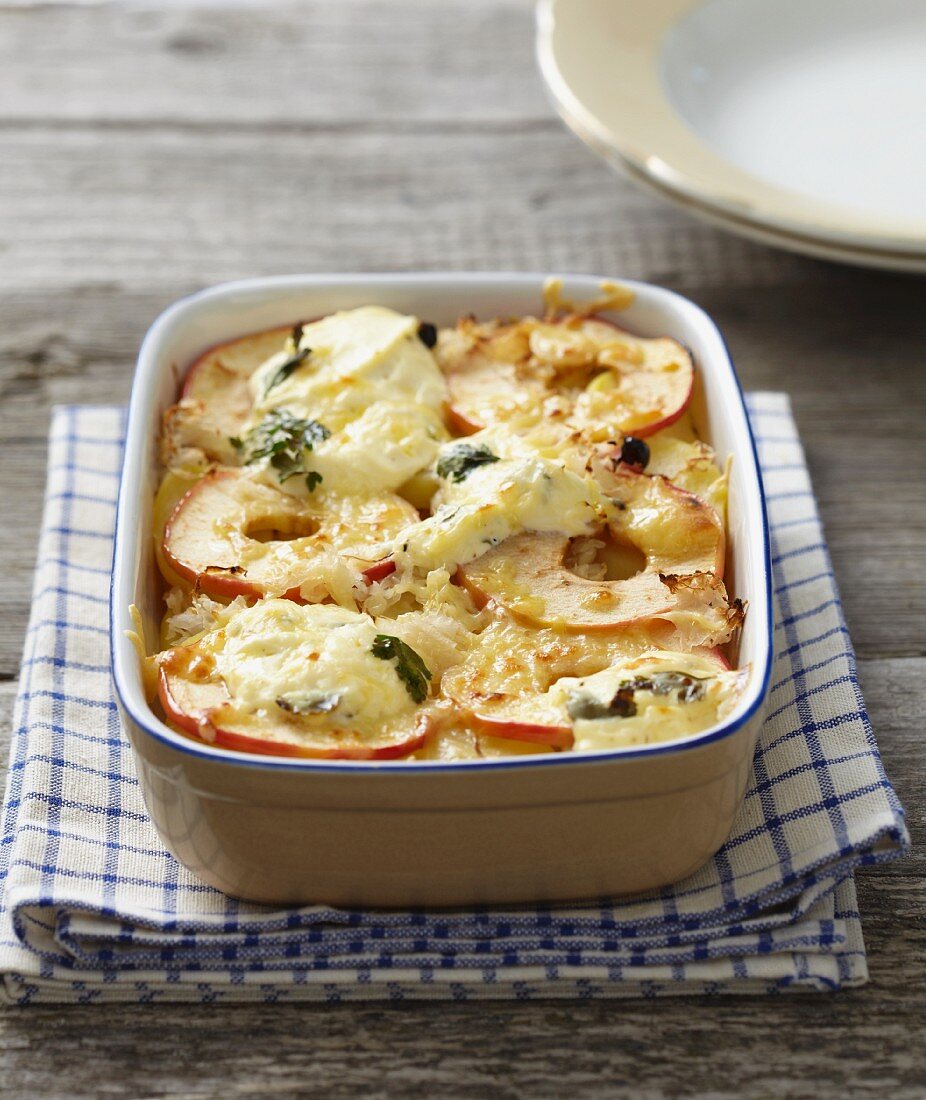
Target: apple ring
594,372
661,690
231,535
216,400
293,680
677,533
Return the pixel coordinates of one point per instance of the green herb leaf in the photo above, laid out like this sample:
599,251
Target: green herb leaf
685,688
312,480
298,357
588,708
287,368
309,702
410,668
459,461
285,440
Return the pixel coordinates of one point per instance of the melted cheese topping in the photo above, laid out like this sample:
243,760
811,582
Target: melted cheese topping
656,710
311,655
542,465
375,387
379,450
355,357
493,502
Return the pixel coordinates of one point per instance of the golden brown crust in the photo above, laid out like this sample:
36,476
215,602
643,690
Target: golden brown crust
542,606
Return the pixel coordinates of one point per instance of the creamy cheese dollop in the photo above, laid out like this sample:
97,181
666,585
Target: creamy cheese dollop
379,450
494,501
317,658
373,385
658,696
372,349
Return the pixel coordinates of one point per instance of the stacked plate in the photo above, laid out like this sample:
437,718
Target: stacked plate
800,123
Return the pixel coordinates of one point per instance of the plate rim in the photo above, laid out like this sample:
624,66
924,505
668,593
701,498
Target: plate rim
655,146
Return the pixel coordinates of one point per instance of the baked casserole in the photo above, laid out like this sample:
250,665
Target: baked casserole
382,540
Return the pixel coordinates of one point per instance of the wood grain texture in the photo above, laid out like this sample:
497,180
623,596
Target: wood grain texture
220,66
146,151
166,207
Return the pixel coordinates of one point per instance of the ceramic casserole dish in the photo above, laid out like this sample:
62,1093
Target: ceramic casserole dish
433,833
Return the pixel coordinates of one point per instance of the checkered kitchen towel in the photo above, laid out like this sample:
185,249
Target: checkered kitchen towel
93,907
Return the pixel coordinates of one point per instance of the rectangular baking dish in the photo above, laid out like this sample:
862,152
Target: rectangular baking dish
400,833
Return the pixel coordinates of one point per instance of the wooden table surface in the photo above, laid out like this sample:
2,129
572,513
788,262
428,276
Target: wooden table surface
146,151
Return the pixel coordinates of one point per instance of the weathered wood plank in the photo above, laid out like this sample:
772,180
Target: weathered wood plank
165,208
717,1050
212,65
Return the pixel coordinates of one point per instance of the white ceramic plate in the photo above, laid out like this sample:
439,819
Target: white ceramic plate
801,123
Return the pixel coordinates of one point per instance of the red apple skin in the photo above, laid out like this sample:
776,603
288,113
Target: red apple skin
189,723
556,736
240,742
191,379
671,418
228,739
215,395
458,424
222,585
379,570
667,421
718,654
461,425
575,605
191,547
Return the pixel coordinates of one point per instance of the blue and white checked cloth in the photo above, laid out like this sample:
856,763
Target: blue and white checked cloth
94,908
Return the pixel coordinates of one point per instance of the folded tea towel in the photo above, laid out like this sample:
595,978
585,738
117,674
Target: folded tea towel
94,908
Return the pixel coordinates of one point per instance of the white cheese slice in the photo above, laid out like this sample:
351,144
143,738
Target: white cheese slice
278,649
357,356
493,502
650,715
371,382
